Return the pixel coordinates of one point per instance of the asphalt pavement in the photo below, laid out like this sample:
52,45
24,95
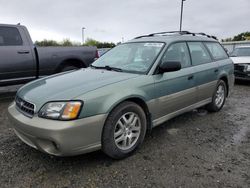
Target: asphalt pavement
196,149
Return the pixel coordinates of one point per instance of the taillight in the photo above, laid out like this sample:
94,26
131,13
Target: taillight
96,54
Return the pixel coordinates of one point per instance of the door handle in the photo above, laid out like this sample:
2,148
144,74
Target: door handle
216,70
191,77
23,52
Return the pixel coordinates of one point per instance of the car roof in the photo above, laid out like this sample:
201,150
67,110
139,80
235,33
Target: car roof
11,25
170,39
173,36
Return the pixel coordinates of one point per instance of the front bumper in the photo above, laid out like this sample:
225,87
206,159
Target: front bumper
60,138
240,72
242,76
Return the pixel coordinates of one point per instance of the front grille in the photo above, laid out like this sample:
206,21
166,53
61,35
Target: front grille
239,67
25,107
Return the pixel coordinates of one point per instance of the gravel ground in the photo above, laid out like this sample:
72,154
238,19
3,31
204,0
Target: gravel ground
197,149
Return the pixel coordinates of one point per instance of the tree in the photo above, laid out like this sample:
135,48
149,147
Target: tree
239,37
91,42
46,42
67,42
98,44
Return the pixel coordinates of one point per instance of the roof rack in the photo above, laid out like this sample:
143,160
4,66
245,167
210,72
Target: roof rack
165,33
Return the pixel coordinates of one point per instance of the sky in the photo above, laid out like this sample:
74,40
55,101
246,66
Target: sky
116,20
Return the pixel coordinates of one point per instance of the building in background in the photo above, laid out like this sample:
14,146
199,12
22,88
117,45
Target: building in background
230,46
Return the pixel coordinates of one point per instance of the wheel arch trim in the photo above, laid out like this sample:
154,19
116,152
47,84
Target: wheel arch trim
73,61
224,77
139,100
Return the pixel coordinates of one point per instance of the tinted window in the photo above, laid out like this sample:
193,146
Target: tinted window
199,54
10,36
216,50
178,52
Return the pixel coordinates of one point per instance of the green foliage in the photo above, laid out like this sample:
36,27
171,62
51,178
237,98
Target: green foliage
46,42
98,44
239,37
68,42
65,42
91,42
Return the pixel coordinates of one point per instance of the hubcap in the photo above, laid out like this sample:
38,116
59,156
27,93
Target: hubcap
220,96
127,131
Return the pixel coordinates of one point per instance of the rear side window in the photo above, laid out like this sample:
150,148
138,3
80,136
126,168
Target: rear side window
10,36
178,52
199,53
216,50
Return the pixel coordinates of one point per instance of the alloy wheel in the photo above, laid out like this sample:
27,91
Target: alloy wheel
127,130
220,96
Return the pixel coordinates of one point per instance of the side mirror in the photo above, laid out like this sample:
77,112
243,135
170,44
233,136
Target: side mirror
170,66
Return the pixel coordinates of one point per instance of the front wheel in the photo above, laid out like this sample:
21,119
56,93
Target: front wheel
219,97
124,130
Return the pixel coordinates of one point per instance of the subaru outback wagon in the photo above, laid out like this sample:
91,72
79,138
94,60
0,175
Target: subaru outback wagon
131,89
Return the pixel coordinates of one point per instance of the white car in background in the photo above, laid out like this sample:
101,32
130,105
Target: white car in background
241,59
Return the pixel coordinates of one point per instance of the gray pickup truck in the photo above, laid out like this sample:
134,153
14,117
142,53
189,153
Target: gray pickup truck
21,61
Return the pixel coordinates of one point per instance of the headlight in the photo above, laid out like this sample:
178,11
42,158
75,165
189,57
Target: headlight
248,67
61,110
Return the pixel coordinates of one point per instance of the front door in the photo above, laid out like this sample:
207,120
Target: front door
174,91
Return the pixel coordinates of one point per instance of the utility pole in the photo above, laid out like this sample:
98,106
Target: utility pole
83,34
181,14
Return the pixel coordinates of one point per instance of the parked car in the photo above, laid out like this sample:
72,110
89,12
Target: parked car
102,51
129,90
241,59
21,61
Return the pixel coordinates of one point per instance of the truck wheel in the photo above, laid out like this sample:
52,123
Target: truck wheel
124,130
219,97
68,68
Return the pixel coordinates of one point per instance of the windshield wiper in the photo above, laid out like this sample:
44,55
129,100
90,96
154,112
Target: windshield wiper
109,68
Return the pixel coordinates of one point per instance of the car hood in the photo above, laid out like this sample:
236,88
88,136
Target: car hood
67,86
241,60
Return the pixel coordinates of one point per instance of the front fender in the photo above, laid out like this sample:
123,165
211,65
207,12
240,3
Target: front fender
104,100
120,98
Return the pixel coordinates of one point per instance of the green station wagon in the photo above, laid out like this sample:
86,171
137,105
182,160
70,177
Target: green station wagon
129,90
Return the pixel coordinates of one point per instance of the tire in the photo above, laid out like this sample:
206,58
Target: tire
220,92
68,68
121,139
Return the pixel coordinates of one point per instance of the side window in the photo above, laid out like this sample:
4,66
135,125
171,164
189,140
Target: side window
10,36
178,52
199,54
216,50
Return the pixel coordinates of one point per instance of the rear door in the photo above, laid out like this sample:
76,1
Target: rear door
16,57
206,71
175,90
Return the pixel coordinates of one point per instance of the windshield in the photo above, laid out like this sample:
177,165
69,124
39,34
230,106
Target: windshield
241,52
131,57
